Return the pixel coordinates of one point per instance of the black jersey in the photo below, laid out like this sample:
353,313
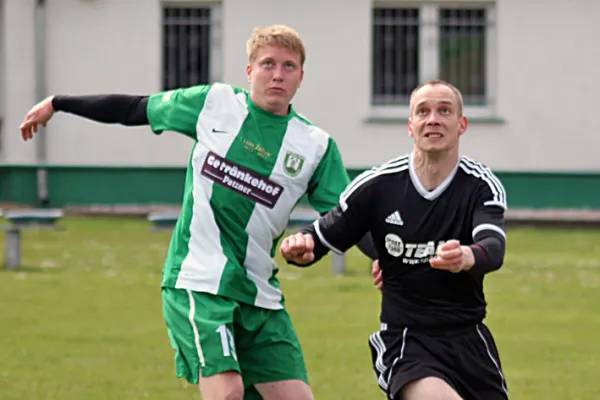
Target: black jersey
408,223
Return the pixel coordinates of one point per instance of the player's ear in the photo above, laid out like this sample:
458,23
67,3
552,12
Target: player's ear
463,122
410,129
248,72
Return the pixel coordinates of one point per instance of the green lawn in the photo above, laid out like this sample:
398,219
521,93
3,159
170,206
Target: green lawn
82,318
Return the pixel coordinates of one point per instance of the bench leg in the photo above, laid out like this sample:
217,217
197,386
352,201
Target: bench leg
338,263
13,248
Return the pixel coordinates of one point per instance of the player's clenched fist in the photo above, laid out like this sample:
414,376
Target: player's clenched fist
453,257
298,248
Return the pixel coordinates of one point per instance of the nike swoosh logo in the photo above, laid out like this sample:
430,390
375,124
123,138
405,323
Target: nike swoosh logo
215,130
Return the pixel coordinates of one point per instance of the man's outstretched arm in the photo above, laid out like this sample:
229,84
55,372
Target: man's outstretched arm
338,230
174,110
111,108
108,108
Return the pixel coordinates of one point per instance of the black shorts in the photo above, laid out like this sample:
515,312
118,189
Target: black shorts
467,359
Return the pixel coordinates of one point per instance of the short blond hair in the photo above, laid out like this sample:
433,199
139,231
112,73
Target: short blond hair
434,82
277,35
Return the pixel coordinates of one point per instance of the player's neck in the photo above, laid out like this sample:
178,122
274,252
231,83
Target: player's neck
433,168
282,110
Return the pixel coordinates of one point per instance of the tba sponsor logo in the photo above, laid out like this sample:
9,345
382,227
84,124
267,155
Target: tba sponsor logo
241,180
412,253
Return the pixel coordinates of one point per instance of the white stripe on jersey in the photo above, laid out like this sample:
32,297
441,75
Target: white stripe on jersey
488,227
396,165
323,240
478,170
365,174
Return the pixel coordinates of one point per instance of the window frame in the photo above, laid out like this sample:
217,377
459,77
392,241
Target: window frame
429,62
215,54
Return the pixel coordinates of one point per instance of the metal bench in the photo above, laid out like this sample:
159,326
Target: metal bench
166,220
163,220
26,219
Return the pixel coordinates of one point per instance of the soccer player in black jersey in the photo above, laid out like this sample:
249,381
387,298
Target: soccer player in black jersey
437,219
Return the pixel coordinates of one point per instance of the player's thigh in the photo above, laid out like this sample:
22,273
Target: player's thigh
430,388
201,330
269,350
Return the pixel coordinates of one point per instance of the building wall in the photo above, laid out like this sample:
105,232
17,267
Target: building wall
543,121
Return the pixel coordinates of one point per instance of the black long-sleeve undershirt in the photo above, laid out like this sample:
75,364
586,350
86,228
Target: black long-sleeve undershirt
129,110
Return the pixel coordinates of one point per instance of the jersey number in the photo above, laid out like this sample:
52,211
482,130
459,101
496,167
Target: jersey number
227,342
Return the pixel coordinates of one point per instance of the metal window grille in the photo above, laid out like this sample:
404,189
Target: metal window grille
462,50
395,54
186,46
408,41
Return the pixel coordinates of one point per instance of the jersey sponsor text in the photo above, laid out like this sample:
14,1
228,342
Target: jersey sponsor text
241,180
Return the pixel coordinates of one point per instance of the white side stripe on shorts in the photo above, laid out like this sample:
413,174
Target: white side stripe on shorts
379,345
502,381
391,369
195,328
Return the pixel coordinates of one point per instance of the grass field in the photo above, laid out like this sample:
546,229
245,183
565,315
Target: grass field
82,318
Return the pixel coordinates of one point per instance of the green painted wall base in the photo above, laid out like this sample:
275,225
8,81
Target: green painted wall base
143,186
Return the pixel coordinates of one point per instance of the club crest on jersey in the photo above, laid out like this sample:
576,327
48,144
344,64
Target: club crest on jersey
292,163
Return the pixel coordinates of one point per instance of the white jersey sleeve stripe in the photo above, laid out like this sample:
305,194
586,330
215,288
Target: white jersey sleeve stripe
488,227
488,177
366,177
323,240
366,174
488,174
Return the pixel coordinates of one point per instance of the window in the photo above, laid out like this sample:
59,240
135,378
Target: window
413,44
191,45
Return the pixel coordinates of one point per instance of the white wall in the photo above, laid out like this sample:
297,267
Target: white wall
548,86
19,73
546,80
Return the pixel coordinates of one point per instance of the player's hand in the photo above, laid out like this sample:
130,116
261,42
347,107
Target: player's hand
376,272
453,257
39,114
298,248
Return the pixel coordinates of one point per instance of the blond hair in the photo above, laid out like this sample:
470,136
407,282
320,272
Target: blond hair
434,82
276,35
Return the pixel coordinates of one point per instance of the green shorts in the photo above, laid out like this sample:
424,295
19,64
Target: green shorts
213,334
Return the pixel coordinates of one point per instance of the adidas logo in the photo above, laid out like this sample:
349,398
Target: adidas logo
394,218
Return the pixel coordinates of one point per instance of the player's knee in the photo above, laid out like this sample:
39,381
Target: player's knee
223,386
234,395
224,393
429,388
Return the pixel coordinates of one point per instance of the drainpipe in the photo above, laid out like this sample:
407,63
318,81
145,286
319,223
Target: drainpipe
41,93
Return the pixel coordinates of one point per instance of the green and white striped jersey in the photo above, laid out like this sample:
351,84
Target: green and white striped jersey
247,171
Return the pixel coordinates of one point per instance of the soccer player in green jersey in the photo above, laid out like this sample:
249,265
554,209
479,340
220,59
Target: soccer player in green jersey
253,158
